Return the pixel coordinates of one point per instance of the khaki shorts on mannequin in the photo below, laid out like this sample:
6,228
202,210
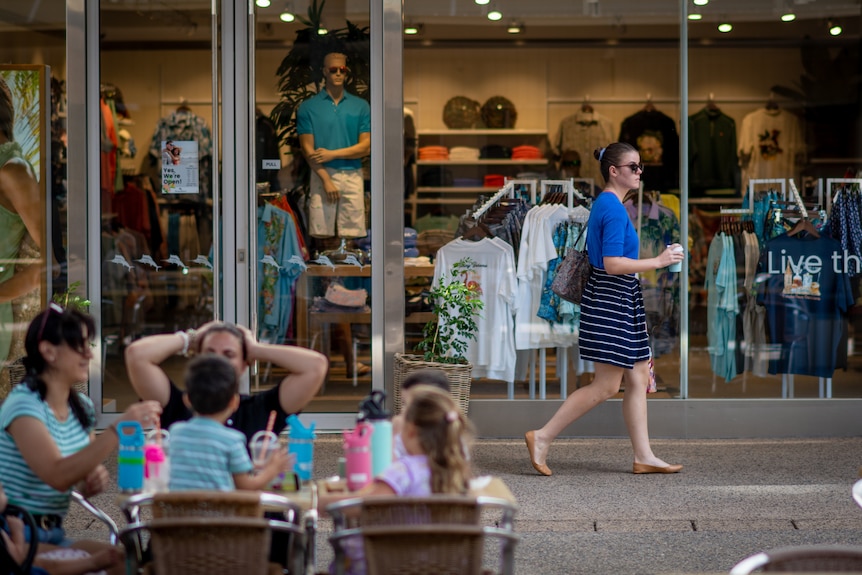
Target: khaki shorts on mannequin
347,214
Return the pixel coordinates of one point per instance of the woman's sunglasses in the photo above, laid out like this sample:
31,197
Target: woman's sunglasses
633,167
52,307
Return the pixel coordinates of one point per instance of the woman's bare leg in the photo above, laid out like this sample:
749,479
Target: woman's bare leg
635,414
605,385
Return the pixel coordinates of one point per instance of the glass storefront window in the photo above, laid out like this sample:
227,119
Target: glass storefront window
773,119
158,169
581,79
33,167
312,180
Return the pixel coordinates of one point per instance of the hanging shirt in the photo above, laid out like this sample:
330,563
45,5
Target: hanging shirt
492,353
807,295
655,137
712,152
772,139
584,132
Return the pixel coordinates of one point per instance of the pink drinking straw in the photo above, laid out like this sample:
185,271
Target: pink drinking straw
269,425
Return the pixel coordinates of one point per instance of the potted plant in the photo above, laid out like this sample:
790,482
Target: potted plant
457,303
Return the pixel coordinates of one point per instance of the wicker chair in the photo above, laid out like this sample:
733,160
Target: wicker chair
213,532
466,517
434,549
803,559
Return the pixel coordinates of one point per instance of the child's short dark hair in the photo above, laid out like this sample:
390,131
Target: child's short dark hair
211,383
428,376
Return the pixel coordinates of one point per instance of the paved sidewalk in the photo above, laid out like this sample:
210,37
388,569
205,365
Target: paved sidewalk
734,498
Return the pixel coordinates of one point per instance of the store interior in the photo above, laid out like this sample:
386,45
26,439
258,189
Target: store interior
547,63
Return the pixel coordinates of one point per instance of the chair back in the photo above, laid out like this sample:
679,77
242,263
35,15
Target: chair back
804,559
207,504
210,546
437,549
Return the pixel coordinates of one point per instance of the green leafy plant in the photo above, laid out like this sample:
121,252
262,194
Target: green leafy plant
68,298
457,304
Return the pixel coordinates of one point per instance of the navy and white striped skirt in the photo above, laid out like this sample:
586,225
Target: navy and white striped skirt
613,320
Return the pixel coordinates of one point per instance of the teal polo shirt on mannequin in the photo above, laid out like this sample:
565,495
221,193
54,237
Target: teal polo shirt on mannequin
334,126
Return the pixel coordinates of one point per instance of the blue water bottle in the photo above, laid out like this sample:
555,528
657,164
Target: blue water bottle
373,411
302,445
130,458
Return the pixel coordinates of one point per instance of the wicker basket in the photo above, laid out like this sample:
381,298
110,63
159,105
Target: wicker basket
459,376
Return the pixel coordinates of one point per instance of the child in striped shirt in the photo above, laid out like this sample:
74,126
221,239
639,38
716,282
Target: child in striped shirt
205,453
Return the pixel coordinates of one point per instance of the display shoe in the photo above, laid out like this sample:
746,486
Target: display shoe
530,439
361,370
644,468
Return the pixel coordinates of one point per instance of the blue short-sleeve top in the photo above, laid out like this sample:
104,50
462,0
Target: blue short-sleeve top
610,231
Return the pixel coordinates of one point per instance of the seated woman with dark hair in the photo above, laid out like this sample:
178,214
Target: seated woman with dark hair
47,444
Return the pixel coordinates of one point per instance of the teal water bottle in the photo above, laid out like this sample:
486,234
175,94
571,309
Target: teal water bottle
372,410
130,457
302,444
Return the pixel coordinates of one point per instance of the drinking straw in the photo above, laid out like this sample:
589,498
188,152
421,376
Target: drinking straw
269,425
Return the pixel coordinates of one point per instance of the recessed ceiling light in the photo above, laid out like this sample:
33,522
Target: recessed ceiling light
789,17
725,27
411,30
481,2
262,3
695,16
835,30
700,2
495,15
286,16
514,28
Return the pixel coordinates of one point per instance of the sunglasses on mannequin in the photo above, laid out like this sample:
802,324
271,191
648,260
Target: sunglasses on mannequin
336,69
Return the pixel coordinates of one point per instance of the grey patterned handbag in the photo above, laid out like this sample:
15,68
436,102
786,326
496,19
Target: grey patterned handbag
572,275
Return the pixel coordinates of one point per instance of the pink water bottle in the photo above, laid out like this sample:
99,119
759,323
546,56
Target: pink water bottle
357,455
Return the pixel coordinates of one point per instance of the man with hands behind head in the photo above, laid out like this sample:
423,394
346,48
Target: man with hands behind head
306,372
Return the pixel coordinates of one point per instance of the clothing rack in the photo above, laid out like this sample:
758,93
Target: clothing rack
797,198
506,190
562,352
830,199
531,183
568,186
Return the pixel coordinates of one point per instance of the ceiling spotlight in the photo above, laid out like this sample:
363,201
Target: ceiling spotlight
322,31
695,16
262,3
788,17
287,14
495,15
725,27
515,28
700,2
412,29
835,29
481,2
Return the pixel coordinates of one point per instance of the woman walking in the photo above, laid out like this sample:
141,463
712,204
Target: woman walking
613,330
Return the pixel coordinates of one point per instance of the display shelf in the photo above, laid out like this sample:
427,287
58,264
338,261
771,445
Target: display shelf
483,132
495,162
456,196
455,189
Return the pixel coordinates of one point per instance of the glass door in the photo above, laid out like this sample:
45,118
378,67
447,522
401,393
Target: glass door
310,237
157,183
